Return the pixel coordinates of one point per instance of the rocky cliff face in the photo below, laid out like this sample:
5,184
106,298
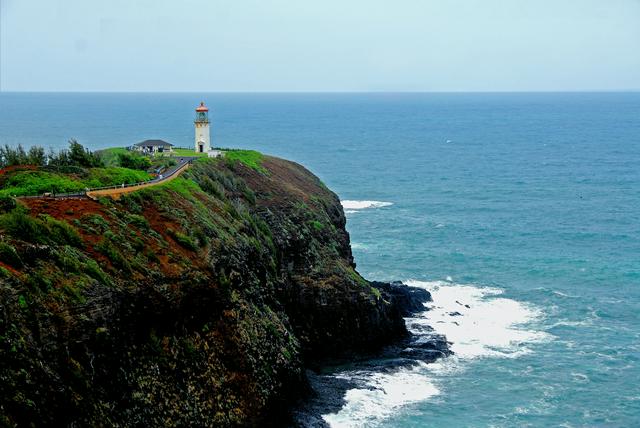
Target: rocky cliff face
197,302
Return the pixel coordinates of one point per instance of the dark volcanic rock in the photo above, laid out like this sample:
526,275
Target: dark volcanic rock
409,300
328,391
195,303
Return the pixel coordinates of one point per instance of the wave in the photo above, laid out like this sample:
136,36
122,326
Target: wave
362,205
381,394
477,321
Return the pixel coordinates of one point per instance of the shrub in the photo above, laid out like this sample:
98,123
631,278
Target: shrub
137,220
9,255
112,253
62,232
19,224
134,161
96,223
92,269
182,239
43,230
318,226
7,203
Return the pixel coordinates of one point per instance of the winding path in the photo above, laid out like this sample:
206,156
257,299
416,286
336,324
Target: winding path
114,192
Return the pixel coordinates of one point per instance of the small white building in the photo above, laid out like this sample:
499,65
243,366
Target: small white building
203,139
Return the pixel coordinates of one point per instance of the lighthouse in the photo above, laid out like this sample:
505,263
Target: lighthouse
203,140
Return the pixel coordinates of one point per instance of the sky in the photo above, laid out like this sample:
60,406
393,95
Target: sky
321,45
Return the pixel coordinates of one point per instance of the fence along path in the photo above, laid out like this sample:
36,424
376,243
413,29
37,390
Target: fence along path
115,191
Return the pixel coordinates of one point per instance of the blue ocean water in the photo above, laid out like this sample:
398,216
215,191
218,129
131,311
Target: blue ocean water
524,207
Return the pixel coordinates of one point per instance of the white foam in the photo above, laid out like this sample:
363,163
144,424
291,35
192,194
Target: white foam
488,326
359,246
385,392
362,205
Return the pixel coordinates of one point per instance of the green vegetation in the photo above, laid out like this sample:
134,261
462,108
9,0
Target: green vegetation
99,177
134,160
30,182
207,279
182,239
41,230
110,156
9,255
76,155
119,156
67,171
187,152
317,225
7,203
250,158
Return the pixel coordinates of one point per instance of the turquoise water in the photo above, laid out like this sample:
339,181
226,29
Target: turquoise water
525,207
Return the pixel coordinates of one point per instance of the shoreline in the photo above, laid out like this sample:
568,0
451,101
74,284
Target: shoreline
327,383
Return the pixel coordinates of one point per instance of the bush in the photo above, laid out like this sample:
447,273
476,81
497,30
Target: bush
137,220
182,239
317,225
62,232
9,255
134,161
44,230
7,203
107,248
21,225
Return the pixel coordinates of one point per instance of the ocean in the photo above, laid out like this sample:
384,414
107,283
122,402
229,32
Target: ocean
519,212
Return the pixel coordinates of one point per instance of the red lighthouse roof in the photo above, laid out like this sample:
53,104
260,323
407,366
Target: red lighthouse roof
202,107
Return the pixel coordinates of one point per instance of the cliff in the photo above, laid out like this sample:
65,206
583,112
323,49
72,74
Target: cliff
197,302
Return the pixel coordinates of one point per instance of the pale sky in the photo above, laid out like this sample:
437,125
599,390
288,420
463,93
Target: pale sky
320,45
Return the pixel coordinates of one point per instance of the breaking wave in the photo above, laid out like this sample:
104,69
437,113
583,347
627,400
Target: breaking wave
477,321
352,206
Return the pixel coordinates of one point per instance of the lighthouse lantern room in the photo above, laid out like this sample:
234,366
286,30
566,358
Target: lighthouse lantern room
202,141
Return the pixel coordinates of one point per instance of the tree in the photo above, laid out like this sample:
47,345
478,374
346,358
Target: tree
37,156
79,156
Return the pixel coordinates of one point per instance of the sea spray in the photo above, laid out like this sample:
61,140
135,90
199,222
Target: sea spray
477,322
350,205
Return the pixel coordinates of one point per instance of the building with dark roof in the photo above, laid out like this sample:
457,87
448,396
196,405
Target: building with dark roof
153,146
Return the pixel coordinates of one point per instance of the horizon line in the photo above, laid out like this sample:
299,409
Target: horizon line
564,91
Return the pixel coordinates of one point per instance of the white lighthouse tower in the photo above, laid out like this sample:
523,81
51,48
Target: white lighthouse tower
203,140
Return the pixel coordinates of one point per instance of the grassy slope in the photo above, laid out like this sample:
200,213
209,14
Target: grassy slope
37,182
187,152
250,158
